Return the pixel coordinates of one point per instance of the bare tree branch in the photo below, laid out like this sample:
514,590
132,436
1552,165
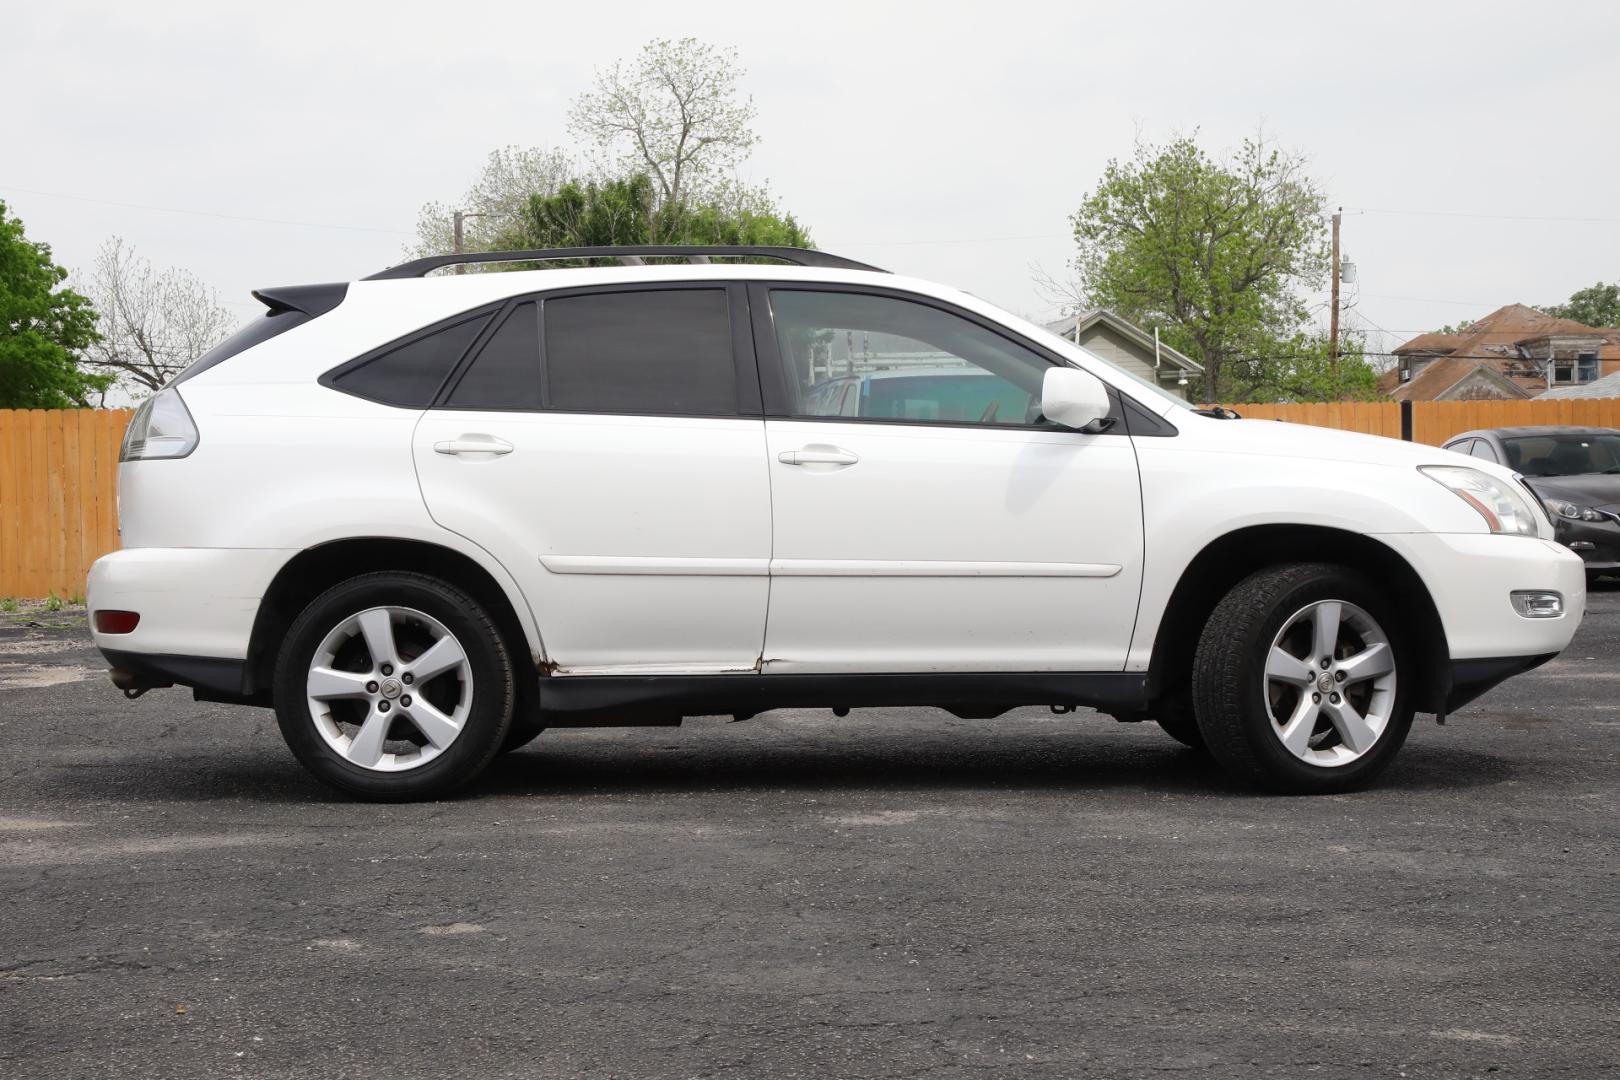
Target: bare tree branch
153,323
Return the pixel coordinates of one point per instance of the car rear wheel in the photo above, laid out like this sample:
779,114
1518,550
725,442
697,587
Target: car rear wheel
394,686
1297,680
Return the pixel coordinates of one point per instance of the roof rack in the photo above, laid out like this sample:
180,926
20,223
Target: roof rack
630,256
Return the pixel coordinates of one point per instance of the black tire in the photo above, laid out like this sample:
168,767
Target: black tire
1229,684
1180,723
489,714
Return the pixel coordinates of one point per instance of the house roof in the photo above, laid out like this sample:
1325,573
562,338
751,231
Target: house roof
1069,325
1494,342
1430,343
1440,377
1606,387
1498,333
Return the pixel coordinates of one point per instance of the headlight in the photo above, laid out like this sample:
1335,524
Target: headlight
161,428
1504,510
1559,508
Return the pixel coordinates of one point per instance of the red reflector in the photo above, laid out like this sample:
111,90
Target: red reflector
117,622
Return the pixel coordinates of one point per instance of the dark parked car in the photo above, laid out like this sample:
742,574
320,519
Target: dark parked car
1575,471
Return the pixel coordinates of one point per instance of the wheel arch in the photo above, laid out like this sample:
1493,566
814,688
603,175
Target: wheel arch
1233,556
316,569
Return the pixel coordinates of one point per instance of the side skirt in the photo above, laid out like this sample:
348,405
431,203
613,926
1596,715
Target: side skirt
662,700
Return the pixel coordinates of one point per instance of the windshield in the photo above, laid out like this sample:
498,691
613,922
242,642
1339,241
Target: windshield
1564,455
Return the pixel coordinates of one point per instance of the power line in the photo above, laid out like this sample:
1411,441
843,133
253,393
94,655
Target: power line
1489,217
204,213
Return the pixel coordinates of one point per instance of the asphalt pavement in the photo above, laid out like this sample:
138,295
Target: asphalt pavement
897,893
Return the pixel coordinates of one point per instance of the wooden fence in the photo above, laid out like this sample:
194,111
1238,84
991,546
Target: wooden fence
58,471
58,497
1434,422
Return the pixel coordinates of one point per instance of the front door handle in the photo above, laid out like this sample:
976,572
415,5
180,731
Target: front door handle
473,444
818,455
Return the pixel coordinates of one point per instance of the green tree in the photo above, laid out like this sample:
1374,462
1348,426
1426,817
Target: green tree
43,327
1302,370
629,211
1595,305
1217,253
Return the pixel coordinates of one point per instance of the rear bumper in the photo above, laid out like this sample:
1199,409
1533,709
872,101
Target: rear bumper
211,678
193,602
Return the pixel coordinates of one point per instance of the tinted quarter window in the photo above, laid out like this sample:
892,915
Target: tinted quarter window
410,374
660,351
1482,449
859,355
506,372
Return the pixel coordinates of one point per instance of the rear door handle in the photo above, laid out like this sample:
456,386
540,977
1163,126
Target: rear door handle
818,455
473,444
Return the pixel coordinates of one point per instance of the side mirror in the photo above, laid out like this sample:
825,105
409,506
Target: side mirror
1074,398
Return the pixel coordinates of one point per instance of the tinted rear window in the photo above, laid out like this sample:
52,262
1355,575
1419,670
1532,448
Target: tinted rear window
506,372
410,374
660,351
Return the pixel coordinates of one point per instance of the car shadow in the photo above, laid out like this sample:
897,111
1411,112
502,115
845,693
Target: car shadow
653,762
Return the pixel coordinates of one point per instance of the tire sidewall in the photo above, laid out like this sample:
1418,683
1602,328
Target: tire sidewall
488,720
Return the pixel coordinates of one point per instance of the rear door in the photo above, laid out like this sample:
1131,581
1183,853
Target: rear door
606,445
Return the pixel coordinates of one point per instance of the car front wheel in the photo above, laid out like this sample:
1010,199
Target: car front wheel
394,686
1298,682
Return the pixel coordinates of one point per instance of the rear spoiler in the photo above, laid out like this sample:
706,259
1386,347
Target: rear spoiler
309,300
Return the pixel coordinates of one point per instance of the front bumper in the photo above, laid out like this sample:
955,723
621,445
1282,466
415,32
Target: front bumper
1471,678
1471,578
1596,542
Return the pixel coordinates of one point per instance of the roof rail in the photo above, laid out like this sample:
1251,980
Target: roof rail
630,256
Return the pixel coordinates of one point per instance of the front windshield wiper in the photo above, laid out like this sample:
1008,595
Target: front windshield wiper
1219,413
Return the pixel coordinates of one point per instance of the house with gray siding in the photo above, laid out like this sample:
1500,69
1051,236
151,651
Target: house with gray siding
1128,346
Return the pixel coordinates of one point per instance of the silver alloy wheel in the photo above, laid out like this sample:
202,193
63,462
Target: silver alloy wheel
390,688
1330,683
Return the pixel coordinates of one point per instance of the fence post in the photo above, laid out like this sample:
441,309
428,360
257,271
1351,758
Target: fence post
1406,419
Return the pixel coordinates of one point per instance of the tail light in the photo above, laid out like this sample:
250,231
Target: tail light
116,622
161,428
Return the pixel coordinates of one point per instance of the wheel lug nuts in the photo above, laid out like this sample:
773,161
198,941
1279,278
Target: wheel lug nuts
405,701
1327,661
1316,699
1341,676
388,669
407,678
371,688
1334,698
382,706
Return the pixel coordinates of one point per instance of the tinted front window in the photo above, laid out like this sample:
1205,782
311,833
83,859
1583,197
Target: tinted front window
1482,449
506,372
1564,455
660,351
852,354
410,374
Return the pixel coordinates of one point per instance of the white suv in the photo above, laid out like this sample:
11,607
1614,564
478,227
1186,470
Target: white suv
423,517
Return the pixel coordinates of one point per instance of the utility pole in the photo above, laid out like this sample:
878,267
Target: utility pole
1333,323
459,218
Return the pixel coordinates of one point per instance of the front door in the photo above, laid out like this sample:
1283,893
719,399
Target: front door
926,516
618,473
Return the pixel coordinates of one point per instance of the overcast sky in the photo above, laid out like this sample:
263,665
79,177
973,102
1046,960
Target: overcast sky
945,140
